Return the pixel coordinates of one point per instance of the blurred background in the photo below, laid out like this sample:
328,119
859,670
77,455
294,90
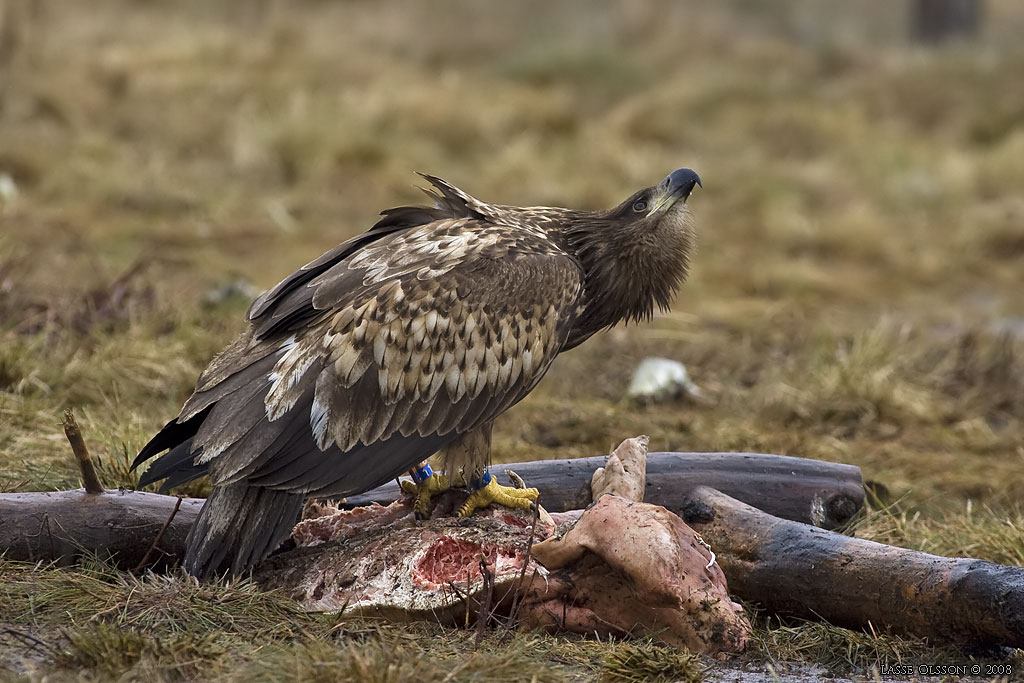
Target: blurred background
858,296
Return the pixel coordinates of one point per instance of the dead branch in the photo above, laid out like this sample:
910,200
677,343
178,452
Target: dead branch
797,569
160,534
90,479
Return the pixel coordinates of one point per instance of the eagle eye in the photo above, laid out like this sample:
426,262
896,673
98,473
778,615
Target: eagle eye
640,205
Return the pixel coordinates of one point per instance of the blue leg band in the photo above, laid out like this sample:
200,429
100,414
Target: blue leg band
483,481
421,473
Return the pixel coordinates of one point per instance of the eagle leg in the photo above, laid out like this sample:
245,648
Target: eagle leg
425,485
467,455
488,490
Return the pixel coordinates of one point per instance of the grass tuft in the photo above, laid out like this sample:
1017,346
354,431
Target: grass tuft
996,535
390,660
638,662
839,650
108,652
160,605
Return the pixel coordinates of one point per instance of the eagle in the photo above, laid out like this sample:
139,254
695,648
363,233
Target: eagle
407,340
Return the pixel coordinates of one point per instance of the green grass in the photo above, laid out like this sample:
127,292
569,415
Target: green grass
855,299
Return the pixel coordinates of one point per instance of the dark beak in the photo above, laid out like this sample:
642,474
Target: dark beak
678,185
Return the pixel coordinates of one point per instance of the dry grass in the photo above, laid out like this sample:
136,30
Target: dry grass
640,662
856,297
994,534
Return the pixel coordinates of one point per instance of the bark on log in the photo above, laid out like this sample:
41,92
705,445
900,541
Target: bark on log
821,493
797,569
63,525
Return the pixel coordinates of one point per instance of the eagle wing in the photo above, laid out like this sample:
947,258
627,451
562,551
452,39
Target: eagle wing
377,355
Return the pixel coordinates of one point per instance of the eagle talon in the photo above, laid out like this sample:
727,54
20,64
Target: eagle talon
516,480
424,491
506,496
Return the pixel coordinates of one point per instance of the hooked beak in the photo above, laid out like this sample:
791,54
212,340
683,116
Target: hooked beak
678,185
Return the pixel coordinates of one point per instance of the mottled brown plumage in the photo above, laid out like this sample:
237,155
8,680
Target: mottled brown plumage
406,340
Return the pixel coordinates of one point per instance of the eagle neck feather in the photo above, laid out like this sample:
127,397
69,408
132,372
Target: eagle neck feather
630,267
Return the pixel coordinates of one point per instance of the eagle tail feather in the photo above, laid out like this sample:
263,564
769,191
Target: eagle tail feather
172,434
175,467
238,527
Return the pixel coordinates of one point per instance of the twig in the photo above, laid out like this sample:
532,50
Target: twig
469,589
456,590
36,642
517,599
44,523
89,478
159,535
485,609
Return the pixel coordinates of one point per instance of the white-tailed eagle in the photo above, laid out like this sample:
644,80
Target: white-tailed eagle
406,340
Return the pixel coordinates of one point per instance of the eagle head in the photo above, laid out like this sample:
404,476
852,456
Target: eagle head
667,199
637,254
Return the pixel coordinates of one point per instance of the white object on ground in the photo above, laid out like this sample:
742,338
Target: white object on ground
660,379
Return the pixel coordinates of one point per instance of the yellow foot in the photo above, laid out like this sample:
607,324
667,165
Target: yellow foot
431,486
493,492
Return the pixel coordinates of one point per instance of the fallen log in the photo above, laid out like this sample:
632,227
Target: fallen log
133,528
821,493
61,525
123,525
800,570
